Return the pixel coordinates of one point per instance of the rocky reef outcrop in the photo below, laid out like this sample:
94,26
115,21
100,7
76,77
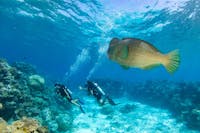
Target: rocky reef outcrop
24,125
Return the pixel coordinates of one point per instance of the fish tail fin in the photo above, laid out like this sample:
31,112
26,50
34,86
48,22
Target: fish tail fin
173,61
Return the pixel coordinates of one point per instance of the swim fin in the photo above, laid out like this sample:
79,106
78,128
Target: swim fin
111,101
82,110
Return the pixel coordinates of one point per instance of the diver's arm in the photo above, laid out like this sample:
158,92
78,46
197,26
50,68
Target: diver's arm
75,102
82,88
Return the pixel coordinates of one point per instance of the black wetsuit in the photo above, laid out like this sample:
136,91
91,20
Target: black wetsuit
97,92
64,92
93,90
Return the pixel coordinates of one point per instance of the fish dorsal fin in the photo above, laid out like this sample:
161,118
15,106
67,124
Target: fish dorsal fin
124,52
128,38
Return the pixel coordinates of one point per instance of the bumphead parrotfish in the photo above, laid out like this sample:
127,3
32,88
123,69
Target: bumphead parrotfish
133,52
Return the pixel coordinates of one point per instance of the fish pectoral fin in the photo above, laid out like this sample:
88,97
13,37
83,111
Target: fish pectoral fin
125,67
151,66
124,52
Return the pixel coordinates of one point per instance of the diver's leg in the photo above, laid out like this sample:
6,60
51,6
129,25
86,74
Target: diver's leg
102,100
76,102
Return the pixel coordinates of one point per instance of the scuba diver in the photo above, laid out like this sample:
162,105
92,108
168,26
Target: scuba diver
63,91
96,91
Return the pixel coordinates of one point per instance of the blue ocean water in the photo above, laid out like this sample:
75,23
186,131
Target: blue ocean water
67,40
52,35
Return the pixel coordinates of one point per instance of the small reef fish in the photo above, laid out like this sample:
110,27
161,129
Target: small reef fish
133,52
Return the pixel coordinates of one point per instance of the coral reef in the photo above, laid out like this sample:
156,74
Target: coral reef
181,98
25,125
64,122
58,119
24,68
36,82
16,96
23,93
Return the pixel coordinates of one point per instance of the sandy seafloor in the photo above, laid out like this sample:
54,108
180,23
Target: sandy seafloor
140,119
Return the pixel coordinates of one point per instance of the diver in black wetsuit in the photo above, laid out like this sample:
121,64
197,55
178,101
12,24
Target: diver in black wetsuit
96,91
65,92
